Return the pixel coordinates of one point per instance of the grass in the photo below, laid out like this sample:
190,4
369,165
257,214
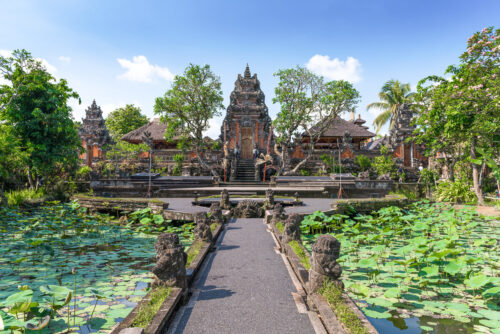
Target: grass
343,312
147,312
193,251
18,197
300,252
280,227
213,226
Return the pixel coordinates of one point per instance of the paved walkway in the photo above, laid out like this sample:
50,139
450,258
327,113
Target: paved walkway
243,287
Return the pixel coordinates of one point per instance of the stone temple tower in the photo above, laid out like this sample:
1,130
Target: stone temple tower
93,132
247,123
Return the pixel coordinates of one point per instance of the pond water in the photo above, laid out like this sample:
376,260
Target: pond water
60,245
427,268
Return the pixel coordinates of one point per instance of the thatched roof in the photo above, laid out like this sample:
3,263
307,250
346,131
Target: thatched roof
339,126
155,127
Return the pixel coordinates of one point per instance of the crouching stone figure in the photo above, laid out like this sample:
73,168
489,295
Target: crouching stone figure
170,267
202,229
325,252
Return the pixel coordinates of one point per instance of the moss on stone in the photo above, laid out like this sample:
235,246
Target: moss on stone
213,226
193,252
148,311
344,313
299,251
280,227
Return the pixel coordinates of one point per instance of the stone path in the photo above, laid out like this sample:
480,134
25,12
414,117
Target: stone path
243,287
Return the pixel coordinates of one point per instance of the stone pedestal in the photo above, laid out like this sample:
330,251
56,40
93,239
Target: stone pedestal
325,252
202,229
278,214
170,267
224,200
292,228
215,214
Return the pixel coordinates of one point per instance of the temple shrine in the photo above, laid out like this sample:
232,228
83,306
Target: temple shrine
93,133
247,124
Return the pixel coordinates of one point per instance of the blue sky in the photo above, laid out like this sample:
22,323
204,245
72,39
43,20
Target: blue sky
121,52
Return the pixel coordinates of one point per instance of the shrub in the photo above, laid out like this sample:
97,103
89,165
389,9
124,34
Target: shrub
384,164
458,191
364,162
83,173
328,161
179,159
305,172
18,197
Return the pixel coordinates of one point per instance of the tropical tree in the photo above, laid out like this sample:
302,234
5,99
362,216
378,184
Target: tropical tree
392,95
308,105
465,108
187,107
35,107
123,120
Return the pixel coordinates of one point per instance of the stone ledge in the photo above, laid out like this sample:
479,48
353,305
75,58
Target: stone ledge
160,318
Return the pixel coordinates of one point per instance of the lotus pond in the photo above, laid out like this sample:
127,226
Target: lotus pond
62,269
426,268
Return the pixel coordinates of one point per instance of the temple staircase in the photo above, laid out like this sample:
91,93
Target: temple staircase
245,170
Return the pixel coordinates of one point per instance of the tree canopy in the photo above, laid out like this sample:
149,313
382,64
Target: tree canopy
392,95
34,107
123,120
308,105
463,111
187,107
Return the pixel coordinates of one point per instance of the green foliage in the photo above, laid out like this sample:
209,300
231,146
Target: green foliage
83,172
146,313
187,107
19,197
301,254
178,159
392,95
328,161
458,191
308,104
305,172
35,108
364,162
341,309
280,227
384,163
459,115
123,120
427,260
193,252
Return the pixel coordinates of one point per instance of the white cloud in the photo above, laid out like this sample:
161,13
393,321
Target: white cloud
214,128
5,53
139,69
65,59
49,67
335,69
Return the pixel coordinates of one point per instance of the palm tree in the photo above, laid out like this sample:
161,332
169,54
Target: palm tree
392,95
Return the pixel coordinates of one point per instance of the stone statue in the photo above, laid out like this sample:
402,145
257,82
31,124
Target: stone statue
269,203
226,149
292,228
215,213
325,252
202,229
364,175
224,200
248,209
170,267
384,177
278,214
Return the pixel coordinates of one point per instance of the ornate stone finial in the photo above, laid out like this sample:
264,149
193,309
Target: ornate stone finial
278,214
170,267
292,228
216,213
248,209
224,200
247,72
202,230
325,252
269,203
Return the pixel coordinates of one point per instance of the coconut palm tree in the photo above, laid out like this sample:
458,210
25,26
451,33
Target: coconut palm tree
392,95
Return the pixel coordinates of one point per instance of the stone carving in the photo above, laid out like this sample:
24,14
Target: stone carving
364,175
325,252
215,213
292,228
278,214
248,209
225,204
346,141
384,177
202,229
93,129
269,203
170,267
